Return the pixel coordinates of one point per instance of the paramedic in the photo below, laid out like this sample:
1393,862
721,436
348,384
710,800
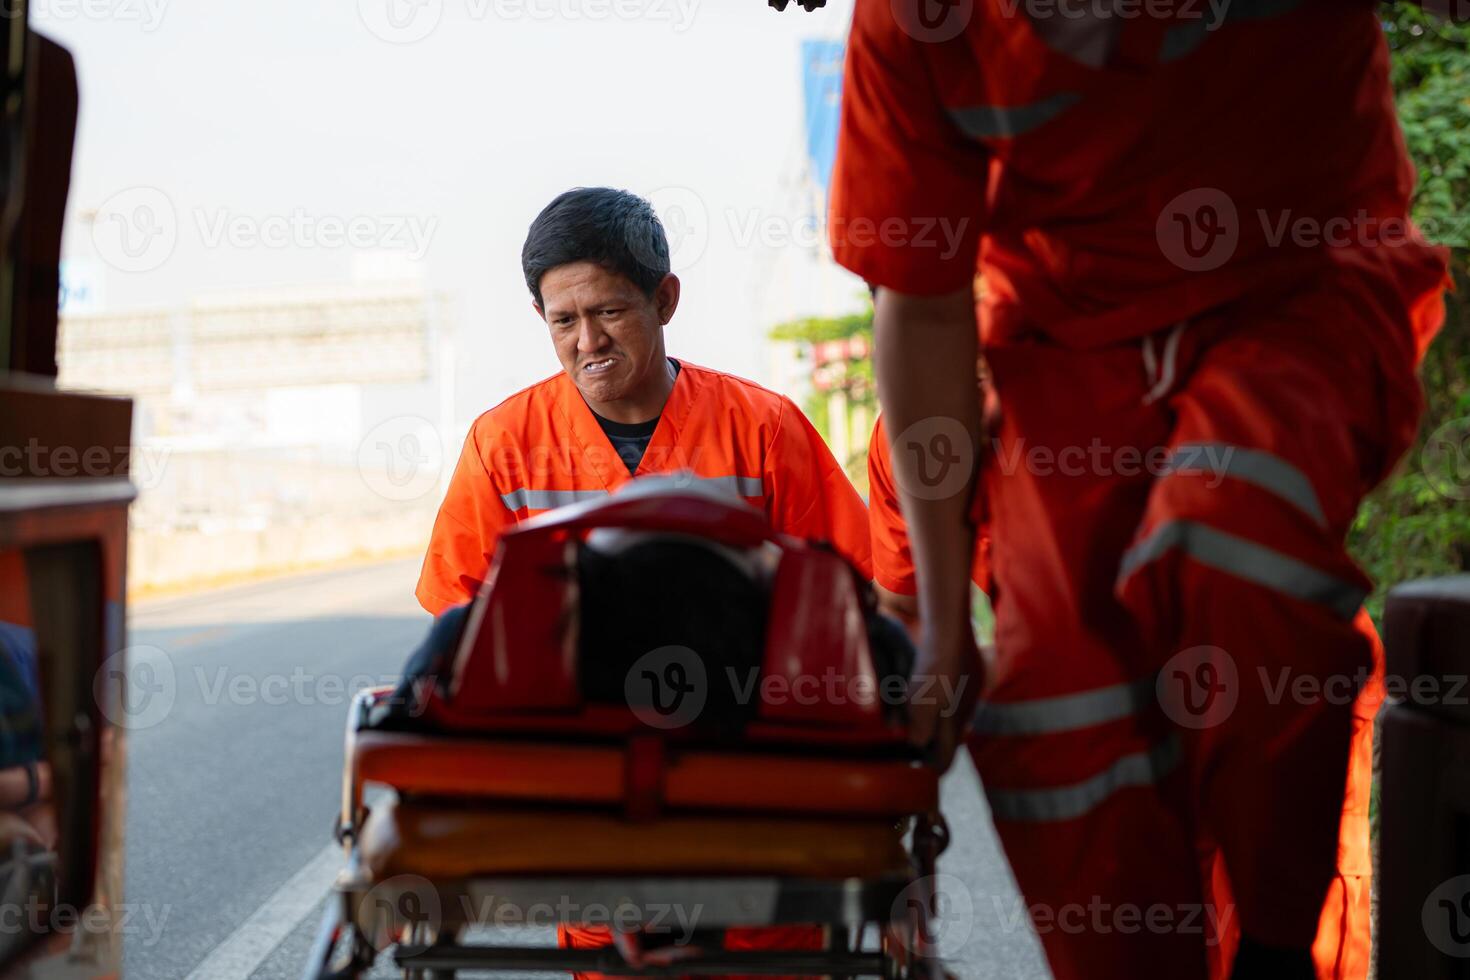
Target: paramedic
1139,195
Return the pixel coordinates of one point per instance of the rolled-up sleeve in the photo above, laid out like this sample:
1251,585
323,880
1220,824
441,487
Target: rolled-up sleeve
908,189
468,527
811,496
893,560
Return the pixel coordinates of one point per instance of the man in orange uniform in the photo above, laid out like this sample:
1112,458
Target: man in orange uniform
596,261
1203,313
597,264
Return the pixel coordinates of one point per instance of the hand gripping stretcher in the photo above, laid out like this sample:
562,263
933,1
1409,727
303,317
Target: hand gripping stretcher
537,777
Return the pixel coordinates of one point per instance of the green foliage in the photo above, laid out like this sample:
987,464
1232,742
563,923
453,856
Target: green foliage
853,377
1415,525
1431,78
815,330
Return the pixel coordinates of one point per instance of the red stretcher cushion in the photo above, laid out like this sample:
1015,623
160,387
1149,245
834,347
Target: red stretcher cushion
519,651
603,775
443,844
818,667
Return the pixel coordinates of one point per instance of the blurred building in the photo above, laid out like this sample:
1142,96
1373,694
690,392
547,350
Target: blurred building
273,427
807,278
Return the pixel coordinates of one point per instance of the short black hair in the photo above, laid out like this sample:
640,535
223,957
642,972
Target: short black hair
616,229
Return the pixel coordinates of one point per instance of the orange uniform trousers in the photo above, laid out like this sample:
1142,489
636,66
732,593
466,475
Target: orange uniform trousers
1185,670
1342,948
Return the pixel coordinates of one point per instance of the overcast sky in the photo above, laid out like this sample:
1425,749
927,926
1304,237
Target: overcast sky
241,144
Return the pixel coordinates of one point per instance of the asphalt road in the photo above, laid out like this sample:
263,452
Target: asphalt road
235,761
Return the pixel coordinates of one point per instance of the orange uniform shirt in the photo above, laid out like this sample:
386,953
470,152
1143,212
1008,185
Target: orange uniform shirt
893,561
1111,176
542,448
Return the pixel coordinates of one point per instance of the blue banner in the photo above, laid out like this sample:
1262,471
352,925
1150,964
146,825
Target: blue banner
821,71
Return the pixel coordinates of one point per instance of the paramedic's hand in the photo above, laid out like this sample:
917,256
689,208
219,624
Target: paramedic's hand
943,692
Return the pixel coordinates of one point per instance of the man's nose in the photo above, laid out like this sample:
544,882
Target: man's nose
590,336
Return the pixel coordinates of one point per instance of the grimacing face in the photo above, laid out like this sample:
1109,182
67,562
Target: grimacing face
608,335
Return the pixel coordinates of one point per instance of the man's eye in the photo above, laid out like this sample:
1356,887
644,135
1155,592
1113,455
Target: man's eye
611,312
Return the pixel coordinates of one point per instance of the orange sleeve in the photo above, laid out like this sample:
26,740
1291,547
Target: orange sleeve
466,531
808,493
893,563
908,188
15,592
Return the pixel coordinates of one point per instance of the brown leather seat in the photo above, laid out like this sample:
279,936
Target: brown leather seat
443,842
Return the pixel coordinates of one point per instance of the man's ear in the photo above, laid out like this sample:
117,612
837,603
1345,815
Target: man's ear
539,311
666,297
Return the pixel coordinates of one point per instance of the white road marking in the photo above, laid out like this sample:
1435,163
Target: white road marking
248,946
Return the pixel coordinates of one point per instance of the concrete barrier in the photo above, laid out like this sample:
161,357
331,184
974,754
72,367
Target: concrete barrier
178,559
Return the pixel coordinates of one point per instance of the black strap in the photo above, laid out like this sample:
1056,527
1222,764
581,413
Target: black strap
33,783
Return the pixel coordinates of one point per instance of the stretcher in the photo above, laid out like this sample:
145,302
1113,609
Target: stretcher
515,792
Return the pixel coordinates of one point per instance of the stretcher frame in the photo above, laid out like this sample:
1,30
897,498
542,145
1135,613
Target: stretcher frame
898,907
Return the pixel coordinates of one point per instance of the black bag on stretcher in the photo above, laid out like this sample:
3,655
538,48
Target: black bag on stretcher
655,702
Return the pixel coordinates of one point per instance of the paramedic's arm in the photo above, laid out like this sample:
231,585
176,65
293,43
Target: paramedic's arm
810,495
925,357
470,522
903,166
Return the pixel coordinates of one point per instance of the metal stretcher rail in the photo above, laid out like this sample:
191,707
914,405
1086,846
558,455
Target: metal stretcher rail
609,962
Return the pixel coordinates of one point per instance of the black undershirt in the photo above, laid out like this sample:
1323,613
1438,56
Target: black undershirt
630,439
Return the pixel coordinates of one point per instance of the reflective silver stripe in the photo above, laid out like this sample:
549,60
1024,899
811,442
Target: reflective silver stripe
740,486
547,499
1088,39
1003,121
1071,802
1261,469
1182,40
1066,713
1248,560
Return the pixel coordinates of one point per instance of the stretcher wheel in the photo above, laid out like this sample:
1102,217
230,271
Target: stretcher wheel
340,950
909,950
423,935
